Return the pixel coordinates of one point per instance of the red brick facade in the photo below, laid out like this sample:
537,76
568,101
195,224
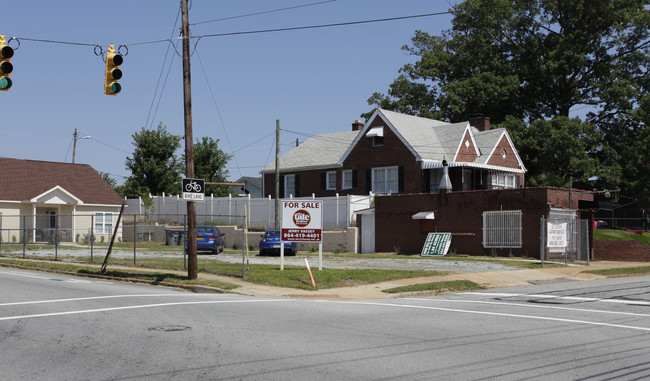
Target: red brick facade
461,214
390,151
620,250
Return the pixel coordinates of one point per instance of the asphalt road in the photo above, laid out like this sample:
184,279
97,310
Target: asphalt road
56,327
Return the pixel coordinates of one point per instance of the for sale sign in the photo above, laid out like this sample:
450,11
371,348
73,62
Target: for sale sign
302,221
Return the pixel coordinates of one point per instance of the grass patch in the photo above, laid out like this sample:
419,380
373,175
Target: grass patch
148,277
615,234
621,271
454,285
292,276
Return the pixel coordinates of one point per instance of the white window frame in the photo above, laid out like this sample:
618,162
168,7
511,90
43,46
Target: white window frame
103,220
330,180
467,179
435,177
502,229
347,179
383,181
289,185
500,180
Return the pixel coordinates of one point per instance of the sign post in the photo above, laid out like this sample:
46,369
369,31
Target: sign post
436,245
302,221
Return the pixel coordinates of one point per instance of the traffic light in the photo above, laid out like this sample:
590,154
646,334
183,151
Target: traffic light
6,52
113,73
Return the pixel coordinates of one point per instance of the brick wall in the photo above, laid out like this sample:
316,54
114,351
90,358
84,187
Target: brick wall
621,250
461,212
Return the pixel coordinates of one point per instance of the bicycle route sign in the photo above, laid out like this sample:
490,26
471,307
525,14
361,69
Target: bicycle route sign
193,189
302,220
436,245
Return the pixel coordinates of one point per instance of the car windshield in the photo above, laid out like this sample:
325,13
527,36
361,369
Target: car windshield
273,234
204,229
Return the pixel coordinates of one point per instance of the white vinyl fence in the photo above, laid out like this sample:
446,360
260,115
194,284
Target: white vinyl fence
338,211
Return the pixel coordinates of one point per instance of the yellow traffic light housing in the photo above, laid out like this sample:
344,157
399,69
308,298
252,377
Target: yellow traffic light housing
113,73
6,52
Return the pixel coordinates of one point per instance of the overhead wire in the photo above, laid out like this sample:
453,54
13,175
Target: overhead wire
214,101
162,68
263,12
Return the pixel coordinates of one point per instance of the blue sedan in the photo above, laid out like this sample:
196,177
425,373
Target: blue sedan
210,238
270,243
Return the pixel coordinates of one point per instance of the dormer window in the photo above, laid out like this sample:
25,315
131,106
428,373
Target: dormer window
377,135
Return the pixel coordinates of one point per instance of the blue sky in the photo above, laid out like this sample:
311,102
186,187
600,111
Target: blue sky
314,81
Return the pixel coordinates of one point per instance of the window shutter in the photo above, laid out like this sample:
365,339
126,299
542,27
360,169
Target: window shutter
323,180
281,195
354,178
368,180
400,179
297,182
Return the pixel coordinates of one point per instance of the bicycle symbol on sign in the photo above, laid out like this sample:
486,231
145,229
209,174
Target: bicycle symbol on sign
192,186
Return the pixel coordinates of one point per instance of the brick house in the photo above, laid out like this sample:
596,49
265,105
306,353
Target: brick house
38,198
396,153
513,215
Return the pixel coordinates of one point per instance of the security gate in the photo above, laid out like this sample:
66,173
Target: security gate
575,247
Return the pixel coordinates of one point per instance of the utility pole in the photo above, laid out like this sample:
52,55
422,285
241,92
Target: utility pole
192,268
277,173
74,145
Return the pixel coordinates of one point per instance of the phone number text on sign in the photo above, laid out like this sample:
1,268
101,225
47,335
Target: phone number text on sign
301,234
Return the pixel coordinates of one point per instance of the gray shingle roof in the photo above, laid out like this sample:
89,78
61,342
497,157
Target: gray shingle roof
319,151
430,140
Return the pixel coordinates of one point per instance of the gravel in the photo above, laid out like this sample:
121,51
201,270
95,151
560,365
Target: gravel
416,263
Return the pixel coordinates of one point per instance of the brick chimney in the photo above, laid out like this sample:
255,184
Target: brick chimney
357,125
480,122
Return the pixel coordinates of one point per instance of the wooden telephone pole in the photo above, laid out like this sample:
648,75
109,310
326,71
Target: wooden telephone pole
192,268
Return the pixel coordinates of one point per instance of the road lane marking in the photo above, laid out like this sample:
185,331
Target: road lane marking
546,296
108,309
23,275
532,317
531,306
92,298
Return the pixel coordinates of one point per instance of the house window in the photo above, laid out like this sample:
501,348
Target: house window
331,181
377,141
503,181
103,223
502,229
434,179
467,179
347,179
385,180
289,185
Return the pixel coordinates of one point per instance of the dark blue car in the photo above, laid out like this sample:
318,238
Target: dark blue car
270,244
209,238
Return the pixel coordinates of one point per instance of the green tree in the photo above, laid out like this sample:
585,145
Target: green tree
107,177
154,167
531,60
535,62
210,164
573,152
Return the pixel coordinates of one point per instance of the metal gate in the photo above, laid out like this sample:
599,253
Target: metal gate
577,238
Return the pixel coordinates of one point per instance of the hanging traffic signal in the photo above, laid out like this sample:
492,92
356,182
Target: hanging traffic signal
6,52
113,73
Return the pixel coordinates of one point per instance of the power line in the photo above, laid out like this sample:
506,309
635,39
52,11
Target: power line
160,75
263,12
323,25
214,101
